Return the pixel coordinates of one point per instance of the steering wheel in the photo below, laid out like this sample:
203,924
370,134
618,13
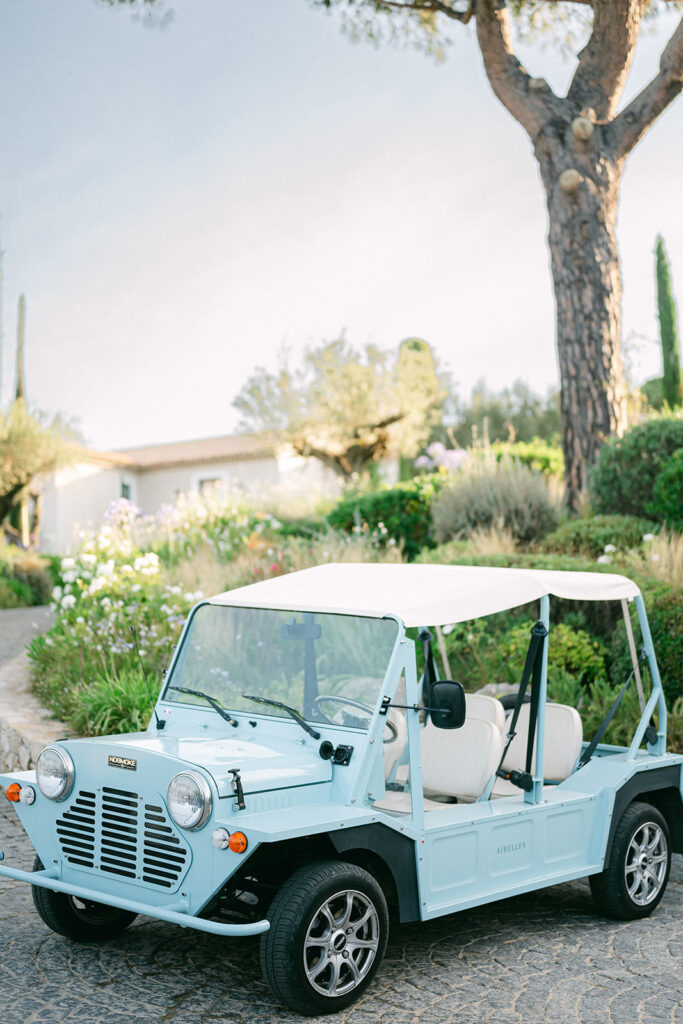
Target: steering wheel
332,698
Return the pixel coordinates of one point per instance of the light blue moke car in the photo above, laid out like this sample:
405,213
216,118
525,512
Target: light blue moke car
298,782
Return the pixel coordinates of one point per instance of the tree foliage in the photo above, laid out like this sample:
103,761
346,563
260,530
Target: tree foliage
30,444
516,413
668,329
347,406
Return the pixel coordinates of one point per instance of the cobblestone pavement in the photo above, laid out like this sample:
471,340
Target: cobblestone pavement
544,958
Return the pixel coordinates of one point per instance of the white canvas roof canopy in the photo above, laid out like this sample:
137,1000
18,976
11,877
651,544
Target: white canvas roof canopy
422,595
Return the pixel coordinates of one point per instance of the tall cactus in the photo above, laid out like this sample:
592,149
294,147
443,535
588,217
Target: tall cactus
20,386
668,328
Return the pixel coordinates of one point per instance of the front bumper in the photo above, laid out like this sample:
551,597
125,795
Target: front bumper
174,914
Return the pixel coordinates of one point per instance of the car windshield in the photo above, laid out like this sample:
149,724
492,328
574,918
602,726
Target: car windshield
299,659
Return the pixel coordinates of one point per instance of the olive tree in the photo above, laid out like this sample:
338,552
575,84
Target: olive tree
347,406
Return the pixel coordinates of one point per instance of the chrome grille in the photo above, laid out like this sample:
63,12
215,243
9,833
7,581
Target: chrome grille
118,842
113,831
76,831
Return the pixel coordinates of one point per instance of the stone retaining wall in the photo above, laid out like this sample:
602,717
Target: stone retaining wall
25,726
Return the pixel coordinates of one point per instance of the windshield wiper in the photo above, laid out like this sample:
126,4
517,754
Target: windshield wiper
212,701
285,707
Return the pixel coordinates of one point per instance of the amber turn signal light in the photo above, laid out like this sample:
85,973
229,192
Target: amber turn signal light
237,842
14,789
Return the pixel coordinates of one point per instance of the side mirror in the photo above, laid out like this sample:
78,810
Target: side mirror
447,705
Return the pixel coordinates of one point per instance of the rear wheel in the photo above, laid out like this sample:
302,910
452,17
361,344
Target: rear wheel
76,918
635,875
328,933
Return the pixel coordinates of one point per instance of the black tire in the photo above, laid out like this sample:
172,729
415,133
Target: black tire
637,870
338,894
78,919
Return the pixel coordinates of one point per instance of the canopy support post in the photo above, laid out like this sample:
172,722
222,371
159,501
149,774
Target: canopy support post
657,695
535,795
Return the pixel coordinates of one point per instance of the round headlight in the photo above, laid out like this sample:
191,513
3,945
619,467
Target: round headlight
54,773
189,800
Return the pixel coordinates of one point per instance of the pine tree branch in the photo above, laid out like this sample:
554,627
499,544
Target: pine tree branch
631,124
529,100
605,61
430,6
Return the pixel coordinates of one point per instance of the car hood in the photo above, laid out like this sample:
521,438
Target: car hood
263,765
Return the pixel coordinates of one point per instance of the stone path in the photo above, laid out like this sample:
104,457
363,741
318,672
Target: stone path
545,958
25,726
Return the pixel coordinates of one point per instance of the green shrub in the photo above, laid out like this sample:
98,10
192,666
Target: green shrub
667,495
623,477
112,704
35,575
592,536
507,496
14,594
571,651
538,454
395,515
675,737
664,606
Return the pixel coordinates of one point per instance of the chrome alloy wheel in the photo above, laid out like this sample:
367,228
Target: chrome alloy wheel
646,863
341,943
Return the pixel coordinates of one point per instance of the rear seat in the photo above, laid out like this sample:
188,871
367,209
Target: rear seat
561,749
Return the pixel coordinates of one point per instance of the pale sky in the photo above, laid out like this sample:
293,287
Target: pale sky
177,203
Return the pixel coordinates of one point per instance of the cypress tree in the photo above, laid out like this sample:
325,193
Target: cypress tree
668,328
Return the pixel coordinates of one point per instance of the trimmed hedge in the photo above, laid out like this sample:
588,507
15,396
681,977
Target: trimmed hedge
537,454
400,514
667,498
623,477
664,607
591,536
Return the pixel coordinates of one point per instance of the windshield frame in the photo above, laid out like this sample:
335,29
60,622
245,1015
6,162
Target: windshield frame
249,714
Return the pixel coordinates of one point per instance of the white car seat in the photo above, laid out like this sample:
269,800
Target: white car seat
456,763
563,739
394,747
481,705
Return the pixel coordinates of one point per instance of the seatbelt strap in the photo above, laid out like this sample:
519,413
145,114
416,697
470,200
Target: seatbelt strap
429,677
532,671
590,749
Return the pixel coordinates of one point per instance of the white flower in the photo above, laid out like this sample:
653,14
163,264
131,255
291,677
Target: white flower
97,584
88,559
610,549
134,589
604,559
57,594
68,601
70,577
106,568
448,629
80,619
68,563
647,537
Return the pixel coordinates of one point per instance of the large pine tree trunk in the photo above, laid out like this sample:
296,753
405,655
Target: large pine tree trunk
581,142
582,189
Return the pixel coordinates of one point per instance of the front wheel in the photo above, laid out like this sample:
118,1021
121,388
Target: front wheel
328,932
635,876
76,918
